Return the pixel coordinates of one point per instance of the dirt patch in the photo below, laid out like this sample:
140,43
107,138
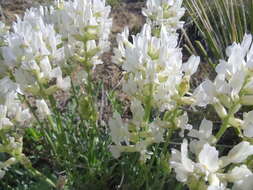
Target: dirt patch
10,8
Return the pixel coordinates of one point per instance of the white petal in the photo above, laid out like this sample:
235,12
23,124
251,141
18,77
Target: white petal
209,157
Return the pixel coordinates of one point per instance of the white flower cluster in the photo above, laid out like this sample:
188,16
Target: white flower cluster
154,66
11,109
34,55
155,77
230,91
81,20
209,170
13,118
165,12
232,87
134,135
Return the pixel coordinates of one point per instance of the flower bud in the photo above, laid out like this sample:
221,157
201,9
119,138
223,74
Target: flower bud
184,86
235,122
221,111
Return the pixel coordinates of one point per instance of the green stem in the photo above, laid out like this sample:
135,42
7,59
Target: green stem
167,142
28,165
41,176
148,104
225,123
223,129
77,102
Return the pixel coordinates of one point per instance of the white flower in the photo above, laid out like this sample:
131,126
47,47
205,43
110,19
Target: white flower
118,130
182,165
244,184
205,94
23,115
43,108
233,76
4,121
137,112
183,124
217,187
238,153
238,173
25,80
191,66
61,83
6,87
33,52
157,131
167,12
119,52
46,68
204,135
209,159
4,30
64,83
141,147
31,66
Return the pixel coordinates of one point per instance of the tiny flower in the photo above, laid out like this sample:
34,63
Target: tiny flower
183,124
63,83
137,111
238,173
43,108
245,184
157,131
181,163
209,158
5,123
118,130
203,136
191,66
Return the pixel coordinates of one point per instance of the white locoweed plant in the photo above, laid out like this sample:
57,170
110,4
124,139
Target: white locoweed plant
157,81
53,52
38,58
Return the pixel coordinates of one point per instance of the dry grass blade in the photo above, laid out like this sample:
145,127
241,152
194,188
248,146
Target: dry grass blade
220,23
